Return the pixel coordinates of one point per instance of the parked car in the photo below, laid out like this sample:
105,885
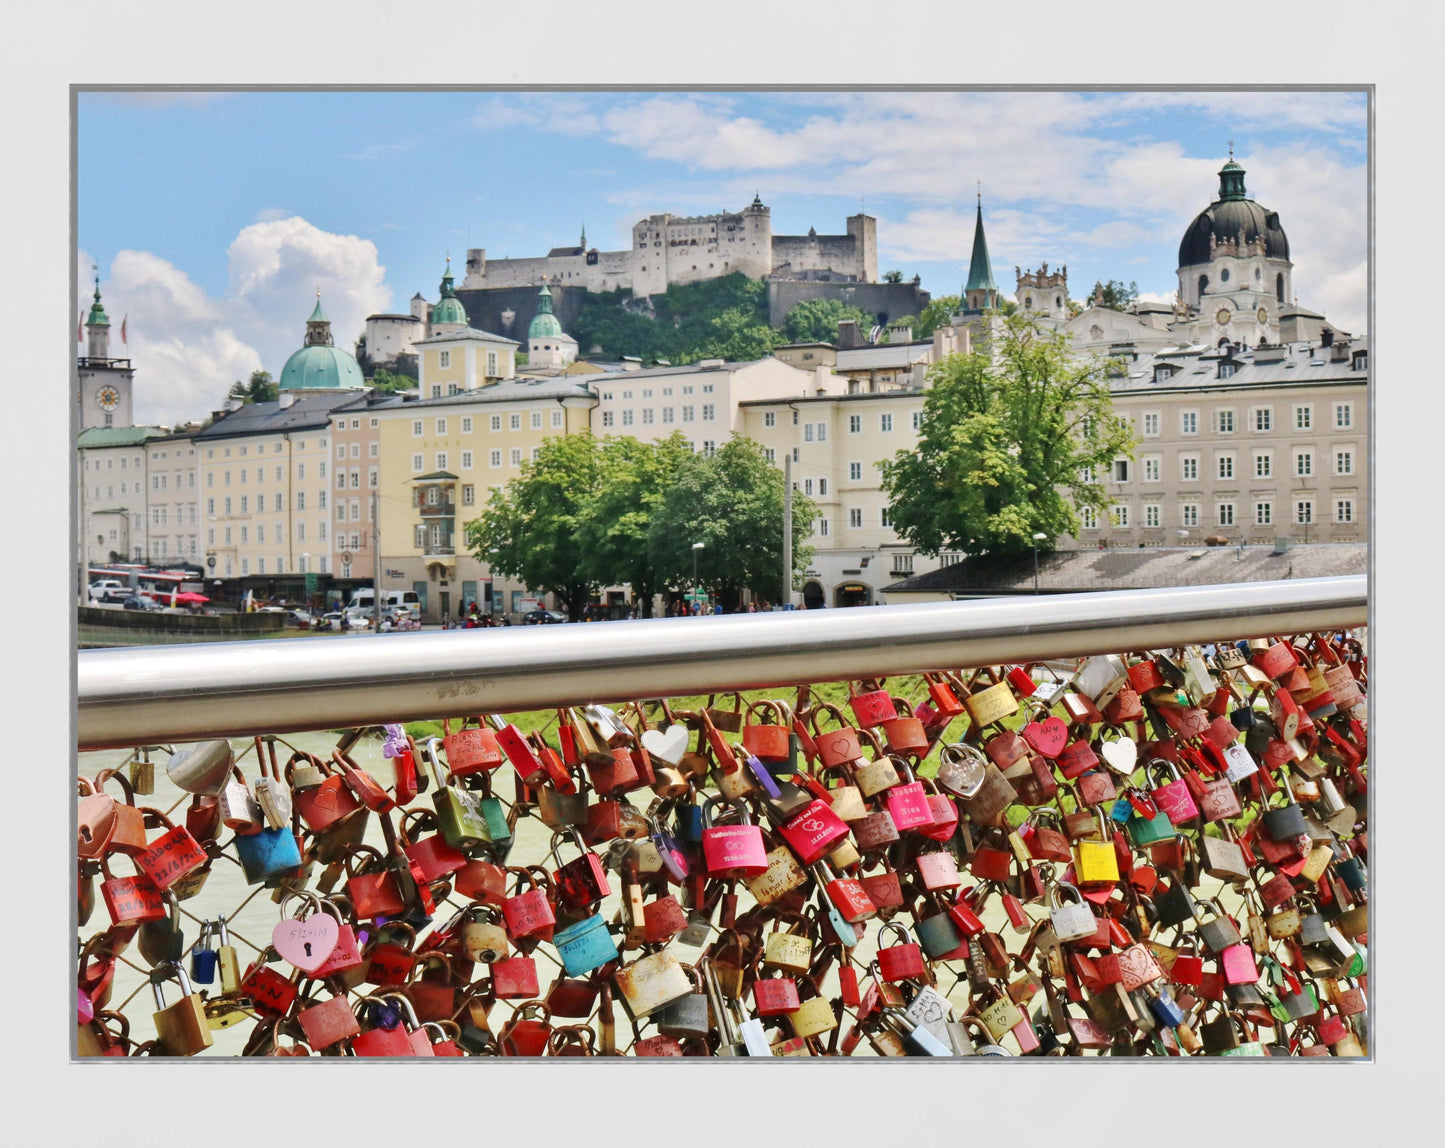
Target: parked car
136,602
109,590
541,617
297,620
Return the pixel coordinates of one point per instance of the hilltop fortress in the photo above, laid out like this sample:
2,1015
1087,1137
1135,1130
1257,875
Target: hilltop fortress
668,249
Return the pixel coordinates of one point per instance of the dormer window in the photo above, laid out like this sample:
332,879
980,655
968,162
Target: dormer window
1226,370
1162,374
1360,361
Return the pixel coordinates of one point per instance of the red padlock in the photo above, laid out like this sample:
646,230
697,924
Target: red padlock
900,962
814,831
581,883
472,750
732,851
908,803
528,911
871,707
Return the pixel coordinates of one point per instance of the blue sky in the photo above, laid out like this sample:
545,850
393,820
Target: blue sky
214,217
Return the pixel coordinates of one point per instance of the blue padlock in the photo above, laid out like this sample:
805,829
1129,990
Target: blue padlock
689,822
1164,1007
1121,811
269,853
585,945
203,957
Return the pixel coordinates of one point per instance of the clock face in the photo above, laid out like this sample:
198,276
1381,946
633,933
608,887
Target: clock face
1222,317
1263,315
108,398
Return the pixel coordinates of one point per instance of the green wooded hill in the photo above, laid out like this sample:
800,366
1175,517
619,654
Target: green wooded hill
723,318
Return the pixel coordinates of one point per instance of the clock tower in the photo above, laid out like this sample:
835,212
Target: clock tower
105,383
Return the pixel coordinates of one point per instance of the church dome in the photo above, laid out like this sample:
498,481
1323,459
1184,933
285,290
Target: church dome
1229,215
319,364
449,308
544,324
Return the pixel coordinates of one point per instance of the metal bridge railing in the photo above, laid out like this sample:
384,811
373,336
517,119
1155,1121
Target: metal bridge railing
128,697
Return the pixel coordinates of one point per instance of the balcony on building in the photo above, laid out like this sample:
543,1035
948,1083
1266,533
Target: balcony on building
434,498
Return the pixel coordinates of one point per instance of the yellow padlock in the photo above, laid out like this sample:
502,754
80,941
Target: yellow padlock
812,1017
991,705
1095,862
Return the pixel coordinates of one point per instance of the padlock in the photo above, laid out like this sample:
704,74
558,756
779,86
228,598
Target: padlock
162,941
652,982
581,883
908,802
791,951
732,851
875,774
470,750
585,945
202,768
172,855
272,794
871,707
1071,922
458,810
528,911
903,961
1095,862
181,1028
127,832
814,832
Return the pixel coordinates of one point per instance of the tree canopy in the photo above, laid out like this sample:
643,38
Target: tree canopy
1013,438
1117,295
816,320
261,388
589,513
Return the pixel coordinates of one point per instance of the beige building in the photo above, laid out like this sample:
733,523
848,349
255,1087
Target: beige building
114,479
439,461
172,495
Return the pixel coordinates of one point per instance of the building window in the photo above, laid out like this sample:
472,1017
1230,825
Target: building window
822,531
515,421
770,419
917,420
320,532
667,415
441,426
1264,514
494,459
709,447
1189,467
1151,468
1224,422
1263,465
466,460
822,432
279,502
1344,416
607,418
1151,514
491,363
647,417
770,454
1188,422
1119,515
885,519
627,418
416,428
1226,466
1089,518
855,472
1344,510
807,432
1225,513
371,477
1264,419
418,538
885,423
1344,462
536,420
516,456
1304,511
1303,417
1304,463
709,412
300,532
556,419
1121,470
688,411
808,487
855,424
1226,370
416,464
855,516
1088,474
469,494
444,359
341,450
300,500
466,424
1189,514
496,422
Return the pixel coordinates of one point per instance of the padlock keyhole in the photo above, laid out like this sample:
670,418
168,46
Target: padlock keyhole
308,947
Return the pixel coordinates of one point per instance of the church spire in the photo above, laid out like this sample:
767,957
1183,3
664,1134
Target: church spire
318,327
1231,178
97,316
584,237
980,292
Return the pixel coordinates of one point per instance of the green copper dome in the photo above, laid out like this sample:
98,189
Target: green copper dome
544,325
97,317
320,365
449,308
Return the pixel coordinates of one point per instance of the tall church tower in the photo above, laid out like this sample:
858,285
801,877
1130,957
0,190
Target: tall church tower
105,383
980,293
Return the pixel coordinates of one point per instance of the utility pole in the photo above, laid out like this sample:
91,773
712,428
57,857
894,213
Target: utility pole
376,561
787,529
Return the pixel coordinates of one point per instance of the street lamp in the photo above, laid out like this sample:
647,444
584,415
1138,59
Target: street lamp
696,546
1038,537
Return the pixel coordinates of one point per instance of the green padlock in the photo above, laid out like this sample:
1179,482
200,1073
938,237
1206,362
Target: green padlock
1146,831
459,813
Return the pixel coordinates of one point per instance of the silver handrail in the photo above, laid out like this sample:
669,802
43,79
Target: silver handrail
153,695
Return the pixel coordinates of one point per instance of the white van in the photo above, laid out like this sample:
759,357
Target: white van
365,597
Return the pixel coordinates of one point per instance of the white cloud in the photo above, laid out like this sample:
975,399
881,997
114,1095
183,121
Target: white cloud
188,347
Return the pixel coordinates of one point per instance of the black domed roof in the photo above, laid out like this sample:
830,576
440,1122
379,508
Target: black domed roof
1227,216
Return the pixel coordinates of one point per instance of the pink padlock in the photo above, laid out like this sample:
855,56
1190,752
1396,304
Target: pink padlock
1173,799
732,850
1237,964
908,803
813,832
872,708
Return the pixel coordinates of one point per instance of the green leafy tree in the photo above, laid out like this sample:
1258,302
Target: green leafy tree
732,503
936,313
1118,296
893,276
260,389
391,382
1012,438
633,480
816,320
531,528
